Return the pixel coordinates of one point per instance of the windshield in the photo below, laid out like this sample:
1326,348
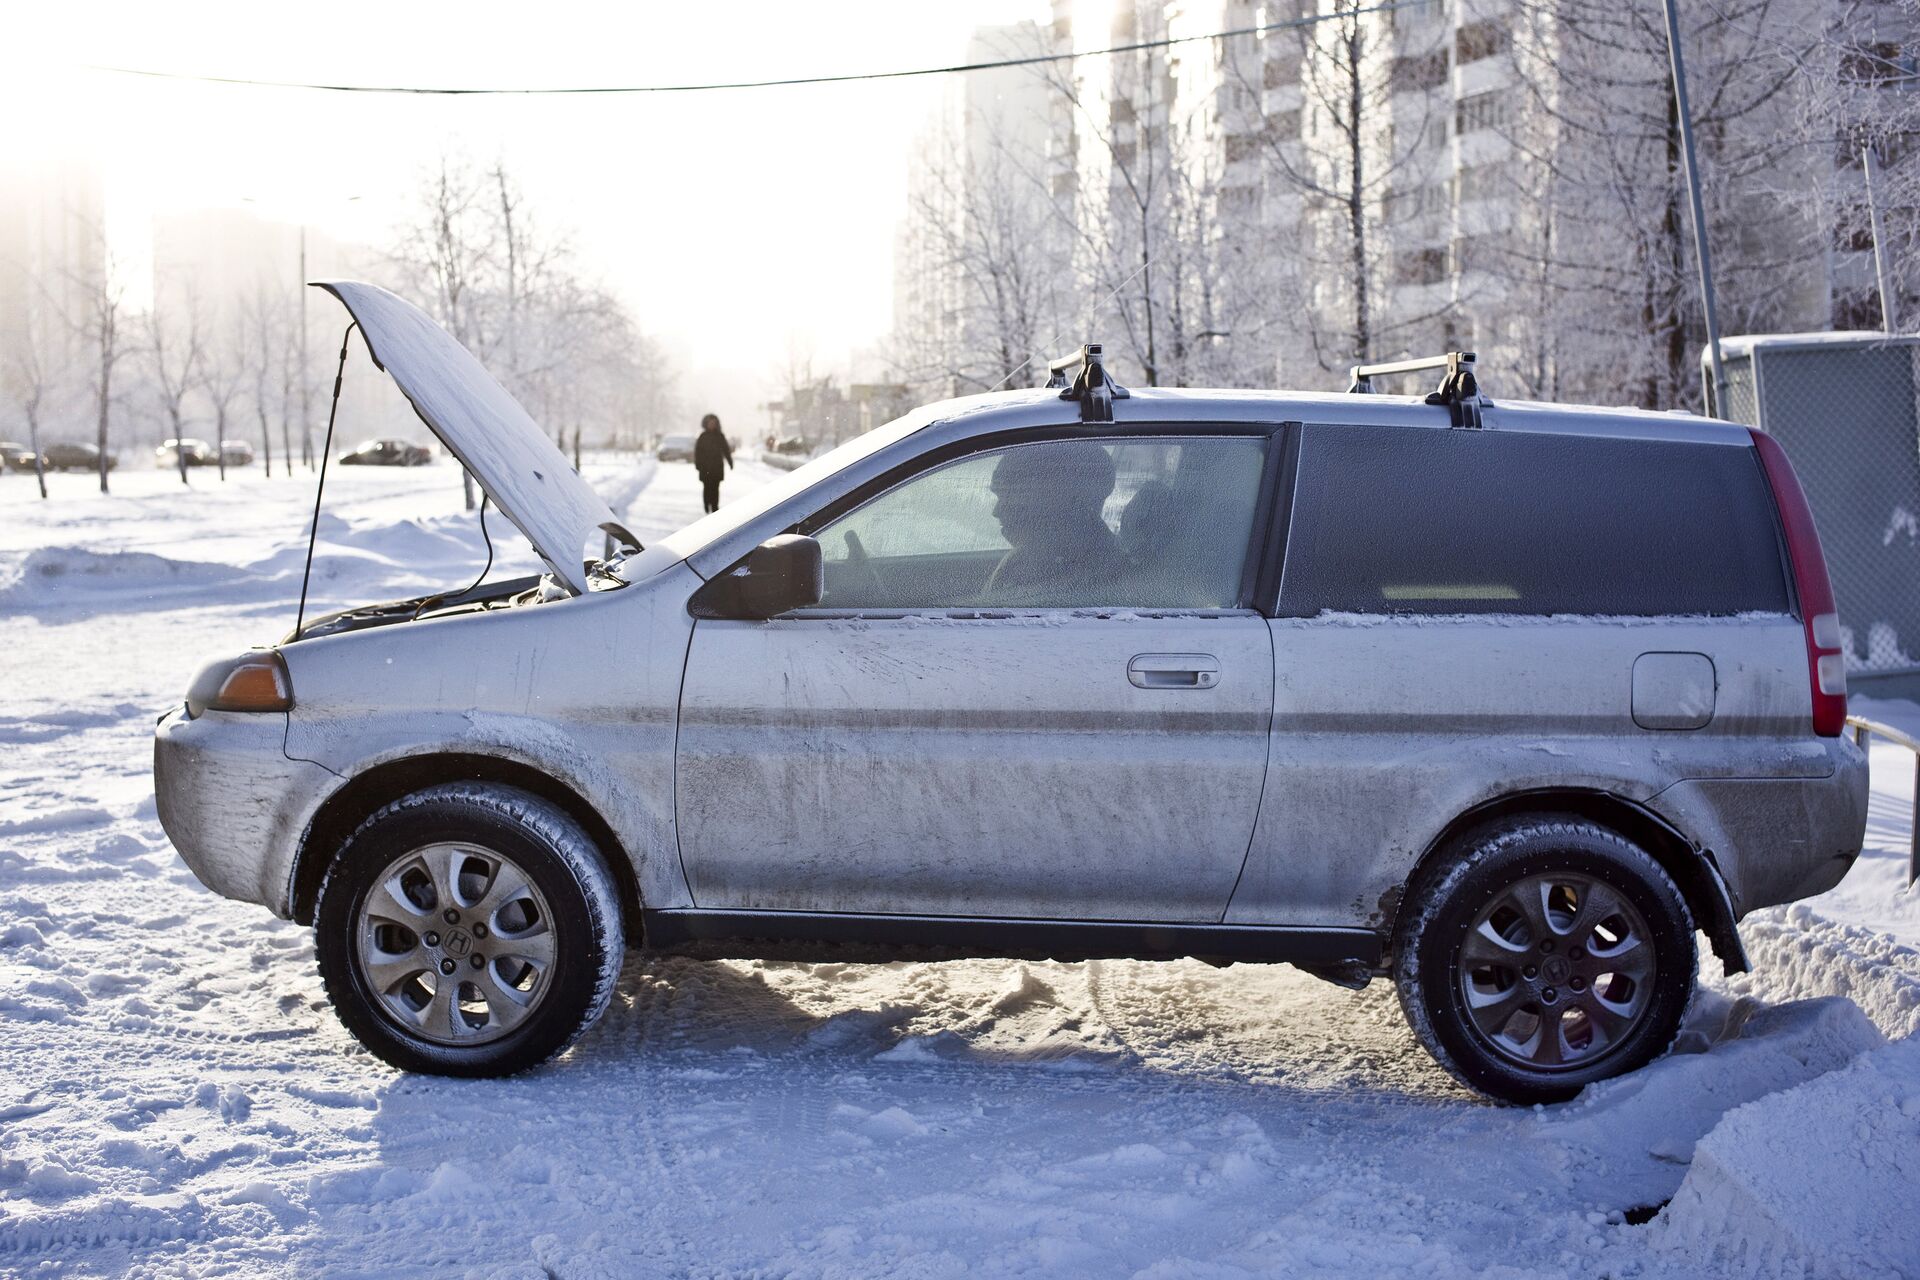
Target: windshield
670,550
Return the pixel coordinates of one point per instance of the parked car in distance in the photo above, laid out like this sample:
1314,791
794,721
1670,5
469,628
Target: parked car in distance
198,453
15,456
388,453
75,455
675,448
1482,698
236,453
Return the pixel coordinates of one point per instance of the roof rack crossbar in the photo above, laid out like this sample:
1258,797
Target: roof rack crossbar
1091,384
1459,389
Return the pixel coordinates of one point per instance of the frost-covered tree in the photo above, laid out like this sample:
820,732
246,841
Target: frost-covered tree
176,356
224,379
979,226
506,285
98,321
1855,81
32,381
1599,261
1354,167
266,333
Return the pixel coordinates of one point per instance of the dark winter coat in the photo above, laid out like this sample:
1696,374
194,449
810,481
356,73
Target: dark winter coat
712,455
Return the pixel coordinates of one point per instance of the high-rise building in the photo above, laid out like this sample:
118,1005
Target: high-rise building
1339,182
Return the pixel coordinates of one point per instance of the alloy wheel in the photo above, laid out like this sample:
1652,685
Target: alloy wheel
1557,971
455,943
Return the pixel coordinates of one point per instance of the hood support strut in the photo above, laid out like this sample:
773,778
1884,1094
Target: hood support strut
326,452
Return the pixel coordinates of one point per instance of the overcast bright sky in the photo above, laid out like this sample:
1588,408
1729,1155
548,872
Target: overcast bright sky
737,224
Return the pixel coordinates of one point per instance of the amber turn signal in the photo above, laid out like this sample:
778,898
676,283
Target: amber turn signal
254,681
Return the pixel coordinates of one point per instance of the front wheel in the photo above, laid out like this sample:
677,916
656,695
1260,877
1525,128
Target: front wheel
1546,954
468,929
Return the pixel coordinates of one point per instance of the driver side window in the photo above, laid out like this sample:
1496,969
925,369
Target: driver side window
1142,523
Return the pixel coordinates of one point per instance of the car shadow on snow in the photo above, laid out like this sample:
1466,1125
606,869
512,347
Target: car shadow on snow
741,1115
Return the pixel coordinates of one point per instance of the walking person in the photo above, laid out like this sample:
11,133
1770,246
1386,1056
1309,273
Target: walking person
712,456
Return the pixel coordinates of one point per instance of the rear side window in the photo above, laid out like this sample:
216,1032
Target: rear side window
1426,521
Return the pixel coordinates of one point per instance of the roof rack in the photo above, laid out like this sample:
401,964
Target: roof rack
1459,390
1092,386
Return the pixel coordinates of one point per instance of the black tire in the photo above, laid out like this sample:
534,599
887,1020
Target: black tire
1496,871
553,854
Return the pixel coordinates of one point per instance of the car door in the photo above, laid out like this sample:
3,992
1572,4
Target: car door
1029,691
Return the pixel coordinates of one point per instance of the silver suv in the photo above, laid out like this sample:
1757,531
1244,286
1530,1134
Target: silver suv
1502,701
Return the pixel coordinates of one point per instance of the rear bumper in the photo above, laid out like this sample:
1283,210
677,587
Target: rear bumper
1777,839
233,804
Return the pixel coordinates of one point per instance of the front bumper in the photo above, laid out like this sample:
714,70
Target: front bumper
232,803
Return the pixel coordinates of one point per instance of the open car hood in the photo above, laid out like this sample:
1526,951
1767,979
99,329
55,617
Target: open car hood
520,468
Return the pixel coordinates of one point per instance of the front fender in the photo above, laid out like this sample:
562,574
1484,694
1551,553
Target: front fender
584,691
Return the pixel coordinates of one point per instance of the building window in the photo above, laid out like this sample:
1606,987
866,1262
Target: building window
1420,266
1239,199
1418,72
1479,182
1479,40
1407,203
1470,252
1487,110
1242,146
1280,70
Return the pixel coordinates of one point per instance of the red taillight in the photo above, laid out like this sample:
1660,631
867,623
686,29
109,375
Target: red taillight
1826,663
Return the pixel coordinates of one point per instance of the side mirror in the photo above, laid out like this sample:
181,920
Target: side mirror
782,573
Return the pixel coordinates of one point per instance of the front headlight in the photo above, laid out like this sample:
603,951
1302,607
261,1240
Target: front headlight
255,681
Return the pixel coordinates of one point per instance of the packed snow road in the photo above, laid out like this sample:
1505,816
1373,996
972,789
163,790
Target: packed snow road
179,1099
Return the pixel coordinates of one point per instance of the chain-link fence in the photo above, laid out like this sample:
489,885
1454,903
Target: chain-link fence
1846,408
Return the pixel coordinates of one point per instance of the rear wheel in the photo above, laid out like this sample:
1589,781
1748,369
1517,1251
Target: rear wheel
468,929
1545,954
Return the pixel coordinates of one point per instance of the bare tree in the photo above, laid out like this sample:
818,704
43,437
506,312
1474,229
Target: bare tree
264,335
176,354
224,378
1603,238
504,285
978,234
29,381
1123,219
98,320
1350,156
1853,79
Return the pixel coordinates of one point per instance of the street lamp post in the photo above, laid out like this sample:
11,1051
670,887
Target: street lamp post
1700,252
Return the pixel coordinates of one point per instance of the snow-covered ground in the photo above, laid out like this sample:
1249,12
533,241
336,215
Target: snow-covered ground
177,1098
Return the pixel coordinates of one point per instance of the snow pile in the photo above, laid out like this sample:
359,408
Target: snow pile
75,575
1797,952
1811,1183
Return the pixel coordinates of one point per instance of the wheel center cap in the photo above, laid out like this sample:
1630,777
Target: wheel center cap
456,943
1554,968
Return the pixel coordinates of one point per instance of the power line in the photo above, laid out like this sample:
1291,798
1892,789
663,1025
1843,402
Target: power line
784,82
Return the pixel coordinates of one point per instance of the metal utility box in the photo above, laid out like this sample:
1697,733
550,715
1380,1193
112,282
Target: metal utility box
1846,408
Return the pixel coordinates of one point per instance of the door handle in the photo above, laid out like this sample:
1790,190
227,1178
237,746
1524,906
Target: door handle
1174,671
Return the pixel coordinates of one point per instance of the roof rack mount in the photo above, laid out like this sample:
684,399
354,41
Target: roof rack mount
1459,390
1091,385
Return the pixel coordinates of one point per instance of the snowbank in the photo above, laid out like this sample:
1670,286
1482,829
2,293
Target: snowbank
79,576
1811,1183
1797,953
